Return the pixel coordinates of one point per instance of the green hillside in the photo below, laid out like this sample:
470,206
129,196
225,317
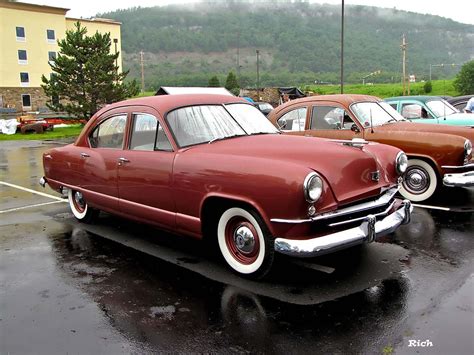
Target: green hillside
298,43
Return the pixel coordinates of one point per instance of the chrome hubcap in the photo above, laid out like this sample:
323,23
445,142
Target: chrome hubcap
79,199
417,180
244,239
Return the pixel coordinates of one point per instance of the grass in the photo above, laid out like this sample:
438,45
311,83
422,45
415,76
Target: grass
440,88
57,133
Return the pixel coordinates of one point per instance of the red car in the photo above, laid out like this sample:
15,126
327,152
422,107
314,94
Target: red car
212,166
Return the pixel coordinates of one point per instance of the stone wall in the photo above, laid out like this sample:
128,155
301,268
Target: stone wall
11,98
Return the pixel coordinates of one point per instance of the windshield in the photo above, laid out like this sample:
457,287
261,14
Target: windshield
441,108
251,119
375,113
207,123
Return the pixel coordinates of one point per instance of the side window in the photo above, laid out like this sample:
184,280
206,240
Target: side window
394,106
330,117
294,120
146,129
109,133
412,111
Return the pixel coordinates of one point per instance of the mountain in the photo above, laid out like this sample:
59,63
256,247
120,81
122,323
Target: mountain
298,43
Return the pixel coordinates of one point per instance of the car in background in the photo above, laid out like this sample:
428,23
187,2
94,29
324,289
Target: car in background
437,154
430,109
459,102
264,107
212,166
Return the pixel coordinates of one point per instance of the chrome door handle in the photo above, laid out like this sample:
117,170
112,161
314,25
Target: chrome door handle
122,161
85,155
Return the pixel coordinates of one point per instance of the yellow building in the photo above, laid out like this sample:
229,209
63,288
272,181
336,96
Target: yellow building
29,36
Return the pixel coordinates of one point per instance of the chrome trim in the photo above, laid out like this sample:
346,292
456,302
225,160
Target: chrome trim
383,213
459,180
380,201
369,231
471,165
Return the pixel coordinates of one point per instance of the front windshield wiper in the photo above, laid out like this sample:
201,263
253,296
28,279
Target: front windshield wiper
256,133
226,137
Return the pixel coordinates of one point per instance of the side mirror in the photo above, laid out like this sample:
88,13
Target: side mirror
282,123
354,128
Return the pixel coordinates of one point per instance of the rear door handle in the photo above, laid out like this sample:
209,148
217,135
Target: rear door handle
85,155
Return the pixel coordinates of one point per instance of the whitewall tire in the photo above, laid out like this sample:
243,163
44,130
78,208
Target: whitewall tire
420,181
79,207
244,242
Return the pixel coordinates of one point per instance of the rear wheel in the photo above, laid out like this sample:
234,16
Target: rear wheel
419,182
79,207
245,242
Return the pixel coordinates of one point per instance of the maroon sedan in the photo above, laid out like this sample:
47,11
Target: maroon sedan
213,166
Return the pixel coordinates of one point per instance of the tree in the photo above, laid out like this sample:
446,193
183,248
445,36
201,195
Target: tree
214,82
231,83
85,75
464,82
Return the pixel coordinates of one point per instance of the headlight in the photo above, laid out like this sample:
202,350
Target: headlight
313,187
401,163
467,148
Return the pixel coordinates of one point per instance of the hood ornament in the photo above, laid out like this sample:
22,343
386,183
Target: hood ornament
355,142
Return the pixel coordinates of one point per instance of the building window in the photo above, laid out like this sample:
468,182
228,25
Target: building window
20,34
26,101
22,57
50,36
24,79
51,56
55,100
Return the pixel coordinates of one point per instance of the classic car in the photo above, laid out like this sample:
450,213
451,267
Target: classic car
459,102
212,166
264,107
430,109
435,152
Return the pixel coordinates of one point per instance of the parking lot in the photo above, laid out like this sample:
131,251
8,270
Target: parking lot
122,287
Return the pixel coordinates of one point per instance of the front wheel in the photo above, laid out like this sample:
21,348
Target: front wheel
79,207
245,242
419,182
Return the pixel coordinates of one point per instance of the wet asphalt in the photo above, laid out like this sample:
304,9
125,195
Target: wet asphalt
121,287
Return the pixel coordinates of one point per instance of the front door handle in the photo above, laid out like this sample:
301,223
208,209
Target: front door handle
122,161
85,155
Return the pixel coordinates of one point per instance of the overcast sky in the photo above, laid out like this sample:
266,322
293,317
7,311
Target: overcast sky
458,10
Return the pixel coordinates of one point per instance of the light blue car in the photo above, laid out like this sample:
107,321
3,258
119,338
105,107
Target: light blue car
430,109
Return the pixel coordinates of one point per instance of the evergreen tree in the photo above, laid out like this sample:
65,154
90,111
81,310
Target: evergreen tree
214,82
85,75
231,83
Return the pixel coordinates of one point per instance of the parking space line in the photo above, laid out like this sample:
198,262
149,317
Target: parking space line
30,206
32,191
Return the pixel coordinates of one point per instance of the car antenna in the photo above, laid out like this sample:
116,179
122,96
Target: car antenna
371,123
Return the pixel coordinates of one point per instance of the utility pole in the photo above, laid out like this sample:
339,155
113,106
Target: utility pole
143,71
238,57
404,73
342,48
258,73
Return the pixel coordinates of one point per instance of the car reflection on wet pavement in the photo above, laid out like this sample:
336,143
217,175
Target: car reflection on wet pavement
66,287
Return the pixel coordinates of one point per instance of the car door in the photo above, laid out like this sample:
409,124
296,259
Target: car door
145,170
97,169
331,120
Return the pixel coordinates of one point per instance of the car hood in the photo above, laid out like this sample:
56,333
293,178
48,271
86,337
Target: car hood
465,118
407,126
347,170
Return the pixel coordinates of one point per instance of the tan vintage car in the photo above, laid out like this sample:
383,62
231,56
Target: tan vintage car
438,154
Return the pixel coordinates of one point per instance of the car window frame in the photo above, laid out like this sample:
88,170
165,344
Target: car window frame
159,123
106,118
334,105
289,109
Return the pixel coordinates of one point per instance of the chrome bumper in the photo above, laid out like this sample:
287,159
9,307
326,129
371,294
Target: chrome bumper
459,179
43,182
367,232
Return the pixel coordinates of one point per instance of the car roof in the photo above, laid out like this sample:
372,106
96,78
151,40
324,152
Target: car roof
166,103
414,97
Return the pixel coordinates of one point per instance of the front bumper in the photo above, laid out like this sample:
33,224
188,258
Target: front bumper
459,179
367,232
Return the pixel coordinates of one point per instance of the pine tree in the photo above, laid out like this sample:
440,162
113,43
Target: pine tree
231,83
85,75
214,82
